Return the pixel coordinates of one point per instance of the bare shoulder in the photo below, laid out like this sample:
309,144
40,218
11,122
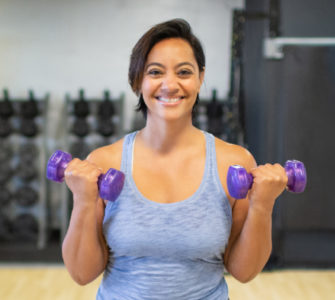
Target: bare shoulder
232,154
107,157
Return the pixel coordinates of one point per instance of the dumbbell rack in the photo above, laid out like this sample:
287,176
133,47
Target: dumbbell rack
23,155
219,117
81,141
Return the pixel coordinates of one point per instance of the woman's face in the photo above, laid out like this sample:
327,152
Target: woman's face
171,80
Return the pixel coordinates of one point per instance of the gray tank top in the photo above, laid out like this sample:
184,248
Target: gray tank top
167,251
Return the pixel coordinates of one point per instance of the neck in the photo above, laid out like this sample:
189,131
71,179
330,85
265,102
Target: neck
163,136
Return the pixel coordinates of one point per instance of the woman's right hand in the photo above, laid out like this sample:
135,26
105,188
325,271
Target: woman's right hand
81,176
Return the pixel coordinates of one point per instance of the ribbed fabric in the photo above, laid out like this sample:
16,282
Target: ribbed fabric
167,251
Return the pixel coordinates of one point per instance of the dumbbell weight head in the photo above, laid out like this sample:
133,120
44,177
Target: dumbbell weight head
29,108
215,126
26,170
25,227
106,107
80,149
239,181
214,108
28,152
297,176
6,172
80,127
5,196
6,152
111,184
28,127
106,127
81,107
57,164
5,127
26,196
6,230
6,107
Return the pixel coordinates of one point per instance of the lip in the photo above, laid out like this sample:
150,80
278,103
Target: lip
169,101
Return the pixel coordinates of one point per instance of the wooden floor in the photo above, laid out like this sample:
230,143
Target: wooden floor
52,282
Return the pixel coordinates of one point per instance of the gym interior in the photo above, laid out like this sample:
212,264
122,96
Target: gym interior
269,86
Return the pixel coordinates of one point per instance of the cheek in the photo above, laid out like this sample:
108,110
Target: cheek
148,85
192,85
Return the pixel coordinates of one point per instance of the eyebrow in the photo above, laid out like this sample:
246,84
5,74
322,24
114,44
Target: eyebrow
162,66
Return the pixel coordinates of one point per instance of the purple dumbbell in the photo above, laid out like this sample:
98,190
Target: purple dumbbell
110,184
239,181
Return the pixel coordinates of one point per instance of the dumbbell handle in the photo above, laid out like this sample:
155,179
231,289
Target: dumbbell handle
110,184
239,181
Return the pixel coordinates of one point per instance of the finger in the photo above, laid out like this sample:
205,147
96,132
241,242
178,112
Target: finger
73,164
267,173
95,172
67,173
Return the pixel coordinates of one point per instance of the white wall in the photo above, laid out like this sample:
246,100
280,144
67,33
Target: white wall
59,46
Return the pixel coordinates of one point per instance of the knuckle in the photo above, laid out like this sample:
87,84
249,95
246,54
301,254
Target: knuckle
75,160
74,172
73,163
278,178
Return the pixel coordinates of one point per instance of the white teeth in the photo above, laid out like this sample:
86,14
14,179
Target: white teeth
169,100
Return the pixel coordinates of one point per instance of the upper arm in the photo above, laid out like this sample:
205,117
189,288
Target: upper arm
100,216
108,156
105,158
227,155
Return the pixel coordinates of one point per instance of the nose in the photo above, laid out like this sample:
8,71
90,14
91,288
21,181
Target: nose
169,85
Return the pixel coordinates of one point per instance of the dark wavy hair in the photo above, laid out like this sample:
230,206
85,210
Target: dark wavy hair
176,28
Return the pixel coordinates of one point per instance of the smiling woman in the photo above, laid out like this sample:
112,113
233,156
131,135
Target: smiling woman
171,79
174,226
176,29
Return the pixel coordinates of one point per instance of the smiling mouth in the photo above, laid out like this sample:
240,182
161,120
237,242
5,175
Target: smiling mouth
170,100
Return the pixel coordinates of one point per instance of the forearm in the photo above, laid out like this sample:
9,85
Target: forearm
84,252
252,247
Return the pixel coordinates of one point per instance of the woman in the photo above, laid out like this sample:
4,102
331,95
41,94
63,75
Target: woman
174,226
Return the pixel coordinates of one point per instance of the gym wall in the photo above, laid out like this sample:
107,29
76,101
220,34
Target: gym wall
56,48
62,46
289,114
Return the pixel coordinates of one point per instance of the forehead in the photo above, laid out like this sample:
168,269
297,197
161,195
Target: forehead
172,49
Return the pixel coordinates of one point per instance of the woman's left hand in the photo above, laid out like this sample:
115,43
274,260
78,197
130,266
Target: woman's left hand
268,183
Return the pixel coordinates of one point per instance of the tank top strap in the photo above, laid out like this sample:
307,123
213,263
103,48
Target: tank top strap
127,152
210,149
213,167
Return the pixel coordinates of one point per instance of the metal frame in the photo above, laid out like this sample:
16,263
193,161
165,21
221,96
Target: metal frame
273,47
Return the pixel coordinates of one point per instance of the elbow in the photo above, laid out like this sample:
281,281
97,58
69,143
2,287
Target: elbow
244,278
243,274
80,280
81,275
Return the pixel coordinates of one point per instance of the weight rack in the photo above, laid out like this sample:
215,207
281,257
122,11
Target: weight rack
89,123
22,167
219,117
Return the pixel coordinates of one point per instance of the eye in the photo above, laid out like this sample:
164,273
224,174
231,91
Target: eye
185,72
154,72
